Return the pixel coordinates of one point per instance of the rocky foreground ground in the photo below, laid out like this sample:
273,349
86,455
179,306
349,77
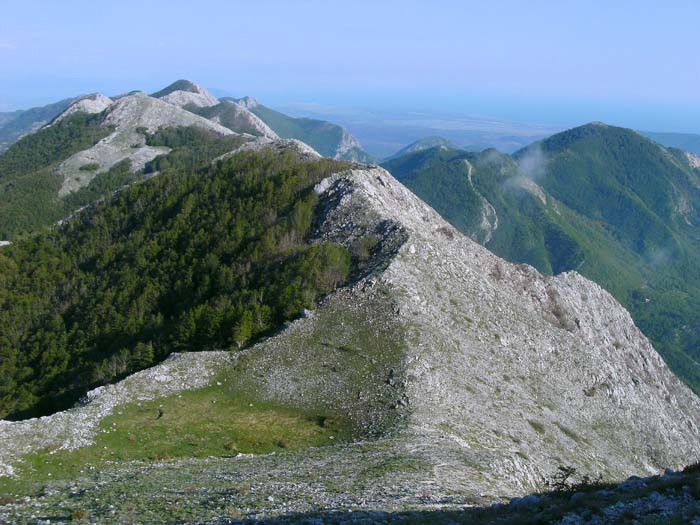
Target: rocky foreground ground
672,498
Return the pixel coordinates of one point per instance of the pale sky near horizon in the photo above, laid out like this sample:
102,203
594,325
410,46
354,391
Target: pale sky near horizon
634,63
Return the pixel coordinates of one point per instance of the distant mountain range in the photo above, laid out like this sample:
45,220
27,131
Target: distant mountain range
509,143
601,200
94,144
685,141
328,138
325,137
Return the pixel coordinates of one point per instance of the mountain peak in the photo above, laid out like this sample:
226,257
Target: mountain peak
91,103
425,143
180,85
185,92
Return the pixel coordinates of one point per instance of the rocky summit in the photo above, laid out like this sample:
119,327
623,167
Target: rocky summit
462,379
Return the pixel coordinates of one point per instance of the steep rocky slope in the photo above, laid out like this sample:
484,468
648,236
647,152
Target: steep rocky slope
601,200
236,117
464,378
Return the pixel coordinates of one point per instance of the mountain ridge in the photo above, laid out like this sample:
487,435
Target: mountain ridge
19,123
120,152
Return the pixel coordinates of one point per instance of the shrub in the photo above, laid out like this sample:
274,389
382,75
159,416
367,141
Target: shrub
78,515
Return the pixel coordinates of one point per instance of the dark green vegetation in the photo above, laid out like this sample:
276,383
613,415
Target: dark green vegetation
191,147
528,229
15,124
189,260
28,186
611,204
685,141
323,136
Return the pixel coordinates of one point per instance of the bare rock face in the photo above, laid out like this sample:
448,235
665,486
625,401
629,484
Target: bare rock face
185,98
140,110
472,376
234,115
125,117
347,144
248,102
95,103
693,160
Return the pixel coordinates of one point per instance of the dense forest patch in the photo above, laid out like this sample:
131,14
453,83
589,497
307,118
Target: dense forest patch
189,260
28,185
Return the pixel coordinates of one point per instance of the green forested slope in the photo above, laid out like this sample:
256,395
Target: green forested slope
188,260
29,182
28,185
648,198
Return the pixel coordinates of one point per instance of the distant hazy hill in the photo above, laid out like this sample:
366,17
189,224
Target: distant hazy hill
423,144
18,123
605,201
325,137
685,141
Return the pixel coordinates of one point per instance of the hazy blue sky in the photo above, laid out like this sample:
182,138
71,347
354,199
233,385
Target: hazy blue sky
635,63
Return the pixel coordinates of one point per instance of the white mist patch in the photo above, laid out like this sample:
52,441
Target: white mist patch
659,256
534,162
523,183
